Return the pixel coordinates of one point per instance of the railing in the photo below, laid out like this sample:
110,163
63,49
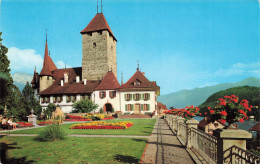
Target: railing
240,156
182,127
204,144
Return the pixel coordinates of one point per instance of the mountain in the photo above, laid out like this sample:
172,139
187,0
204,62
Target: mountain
20,79
197,96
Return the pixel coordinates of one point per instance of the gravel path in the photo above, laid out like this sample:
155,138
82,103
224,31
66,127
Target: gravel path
164,147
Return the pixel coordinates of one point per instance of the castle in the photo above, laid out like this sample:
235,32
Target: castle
96,79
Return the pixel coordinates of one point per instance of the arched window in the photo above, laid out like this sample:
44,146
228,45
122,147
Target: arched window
94,44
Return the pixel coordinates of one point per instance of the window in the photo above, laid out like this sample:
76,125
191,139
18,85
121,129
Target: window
59,99
147,96
137,96
100,32
112,48
89,34
137,83
47,77
112,94
146,107
54,99
129,107
128,97
73,98
42,99
47,99
94,45
102,94
68,98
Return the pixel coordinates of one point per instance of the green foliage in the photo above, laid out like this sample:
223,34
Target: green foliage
252,94
51,133
50,108
84,106
101,110
113,110
30,102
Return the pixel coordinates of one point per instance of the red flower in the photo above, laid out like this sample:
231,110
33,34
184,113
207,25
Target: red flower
209,108
222,121
241,120
211,111
224,113
205,113
200,114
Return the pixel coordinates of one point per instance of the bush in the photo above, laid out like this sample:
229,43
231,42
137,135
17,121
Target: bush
101,110
127,113
84,106
51,133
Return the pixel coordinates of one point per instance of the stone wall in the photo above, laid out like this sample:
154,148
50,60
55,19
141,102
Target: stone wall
98,55
45,82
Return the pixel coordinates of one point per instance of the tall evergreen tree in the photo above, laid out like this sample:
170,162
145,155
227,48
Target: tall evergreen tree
29,100
6,81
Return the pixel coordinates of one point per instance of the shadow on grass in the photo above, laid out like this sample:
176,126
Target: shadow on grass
139,140
3,154
126,159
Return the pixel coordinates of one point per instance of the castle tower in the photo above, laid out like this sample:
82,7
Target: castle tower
98,49
46,76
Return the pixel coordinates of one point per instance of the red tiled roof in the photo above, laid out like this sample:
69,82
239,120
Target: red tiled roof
98,23
71,87
256,127
144,82
161,106
48,65
109,82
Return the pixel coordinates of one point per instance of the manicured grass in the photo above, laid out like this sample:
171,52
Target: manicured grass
73,150
140,127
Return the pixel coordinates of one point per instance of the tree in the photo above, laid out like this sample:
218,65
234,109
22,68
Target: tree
29,100
6,81
84,106
50,108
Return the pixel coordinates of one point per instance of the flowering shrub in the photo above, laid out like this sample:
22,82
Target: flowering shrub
24,124
48,122
103,125
76,118
229,109
188,113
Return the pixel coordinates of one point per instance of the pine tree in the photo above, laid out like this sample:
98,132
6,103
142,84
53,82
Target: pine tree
6,81
29,100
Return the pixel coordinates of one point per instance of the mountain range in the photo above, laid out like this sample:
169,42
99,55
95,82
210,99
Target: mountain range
197,96
21,78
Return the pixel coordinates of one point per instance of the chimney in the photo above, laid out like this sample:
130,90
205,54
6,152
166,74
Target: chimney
61,83
77,79
85,81
66,77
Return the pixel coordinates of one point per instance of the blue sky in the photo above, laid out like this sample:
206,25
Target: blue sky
181,44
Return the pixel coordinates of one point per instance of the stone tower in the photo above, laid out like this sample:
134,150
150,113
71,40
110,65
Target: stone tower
98,49
46,77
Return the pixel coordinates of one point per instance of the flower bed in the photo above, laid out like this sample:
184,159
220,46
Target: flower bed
83,119
24,124
103,125
47,122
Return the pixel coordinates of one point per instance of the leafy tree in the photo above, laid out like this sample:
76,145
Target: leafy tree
50,108
101,110
84,106
6,81
29,100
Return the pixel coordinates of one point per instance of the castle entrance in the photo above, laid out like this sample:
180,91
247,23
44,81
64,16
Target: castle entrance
108,107
137,108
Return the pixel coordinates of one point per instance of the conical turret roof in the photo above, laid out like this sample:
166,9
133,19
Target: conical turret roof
98,23
48,65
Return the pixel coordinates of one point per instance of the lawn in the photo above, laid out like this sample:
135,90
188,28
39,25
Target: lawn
72,150
141,127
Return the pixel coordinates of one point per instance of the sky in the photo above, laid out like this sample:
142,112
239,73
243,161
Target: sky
180,44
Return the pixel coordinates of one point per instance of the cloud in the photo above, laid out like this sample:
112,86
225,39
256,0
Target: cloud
61,64
24,60
253,69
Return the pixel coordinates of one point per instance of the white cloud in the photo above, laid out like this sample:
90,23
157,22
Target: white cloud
61,64
253,69
24,60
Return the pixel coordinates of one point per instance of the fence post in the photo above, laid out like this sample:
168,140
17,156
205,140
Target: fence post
190,124
179,119
228,138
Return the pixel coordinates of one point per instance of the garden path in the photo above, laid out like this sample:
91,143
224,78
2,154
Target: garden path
164,147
